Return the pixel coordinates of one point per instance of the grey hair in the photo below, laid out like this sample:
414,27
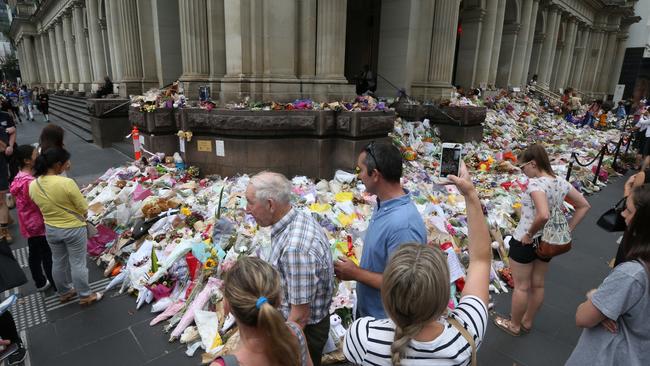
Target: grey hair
271,185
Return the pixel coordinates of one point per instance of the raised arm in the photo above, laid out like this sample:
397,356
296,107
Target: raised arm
480,253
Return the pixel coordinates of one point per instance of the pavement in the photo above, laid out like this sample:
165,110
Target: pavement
113,332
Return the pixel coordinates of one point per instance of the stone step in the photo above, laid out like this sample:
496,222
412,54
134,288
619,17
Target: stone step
72,115
76,101
84,134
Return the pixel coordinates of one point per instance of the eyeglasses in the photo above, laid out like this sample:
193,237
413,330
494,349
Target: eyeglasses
369,148
521,167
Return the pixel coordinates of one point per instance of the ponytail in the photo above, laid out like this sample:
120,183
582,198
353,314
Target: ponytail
402,338
280,341
48,159
253,290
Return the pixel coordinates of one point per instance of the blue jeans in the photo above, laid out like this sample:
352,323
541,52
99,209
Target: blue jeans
69,259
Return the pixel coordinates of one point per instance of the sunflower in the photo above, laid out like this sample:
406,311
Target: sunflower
209,264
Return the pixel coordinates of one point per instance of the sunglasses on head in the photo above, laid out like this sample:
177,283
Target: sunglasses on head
369,149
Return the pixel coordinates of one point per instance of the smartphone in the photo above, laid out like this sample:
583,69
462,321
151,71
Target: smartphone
450,159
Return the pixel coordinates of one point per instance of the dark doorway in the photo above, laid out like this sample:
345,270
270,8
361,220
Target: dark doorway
362,37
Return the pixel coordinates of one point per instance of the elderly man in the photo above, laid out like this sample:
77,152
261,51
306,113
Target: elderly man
301,253
395,221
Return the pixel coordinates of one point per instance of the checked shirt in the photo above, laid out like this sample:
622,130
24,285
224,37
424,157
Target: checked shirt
301,252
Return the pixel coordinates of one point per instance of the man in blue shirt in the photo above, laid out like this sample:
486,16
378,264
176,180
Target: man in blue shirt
395,221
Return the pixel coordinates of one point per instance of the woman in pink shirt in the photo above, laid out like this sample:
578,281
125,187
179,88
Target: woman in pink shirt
30,219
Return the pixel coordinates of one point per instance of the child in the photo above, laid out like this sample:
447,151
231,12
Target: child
31,220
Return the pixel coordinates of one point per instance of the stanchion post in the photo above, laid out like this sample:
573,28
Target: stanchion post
617,151
568,173
600,162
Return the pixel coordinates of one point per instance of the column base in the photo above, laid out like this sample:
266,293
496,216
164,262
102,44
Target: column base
285,89
149,84
84,87
127,88
431,91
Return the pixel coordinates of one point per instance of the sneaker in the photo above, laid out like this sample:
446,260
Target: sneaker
44,287
17,357
4,233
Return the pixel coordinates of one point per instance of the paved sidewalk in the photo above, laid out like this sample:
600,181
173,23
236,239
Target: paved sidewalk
113,332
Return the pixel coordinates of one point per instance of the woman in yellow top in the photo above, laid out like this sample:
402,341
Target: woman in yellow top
64,210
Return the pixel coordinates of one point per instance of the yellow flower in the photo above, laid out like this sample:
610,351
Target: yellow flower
186,211
343,196
209,264
320,207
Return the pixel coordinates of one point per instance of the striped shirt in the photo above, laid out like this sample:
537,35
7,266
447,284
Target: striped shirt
368,340
301,253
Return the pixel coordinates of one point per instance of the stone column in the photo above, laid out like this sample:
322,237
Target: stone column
54,56
216,44
71,52
22,63
559,50
81,47
63,62
114,25
47,59
330,53
148,45
581,56
308,21
591,62
567,54
531,39
608,56
441,61
546,61
618,61
42,62
484,60
521,46
496,44
468,49
280,39
131,82
194,44
507,55
96,43
535,56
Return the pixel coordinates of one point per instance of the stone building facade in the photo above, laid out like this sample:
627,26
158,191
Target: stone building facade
286,49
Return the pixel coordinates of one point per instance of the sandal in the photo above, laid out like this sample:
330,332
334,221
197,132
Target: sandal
525,330
67,296
505,325
90,299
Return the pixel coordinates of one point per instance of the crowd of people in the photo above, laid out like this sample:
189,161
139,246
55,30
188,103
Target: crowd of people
402,316
51,215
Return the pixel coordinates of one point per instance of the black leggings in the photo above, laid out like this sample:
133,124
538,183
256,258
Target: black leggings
8,328
40,259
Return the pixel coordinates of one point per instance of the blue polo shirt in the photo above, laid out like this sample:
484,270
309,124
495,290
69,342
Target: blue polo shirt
394,222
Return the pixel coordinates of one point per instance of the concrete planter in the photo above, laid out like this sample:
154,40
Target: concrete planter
364,124
258,123
160,121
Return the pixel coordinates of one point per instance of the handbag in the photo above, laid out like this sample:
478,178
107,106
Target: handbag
91,230
612,220
11,275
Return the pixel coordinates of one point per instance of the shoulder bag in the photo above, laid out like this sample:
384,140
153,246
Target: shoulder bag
612,220
556,236
468,337
91,230
11,275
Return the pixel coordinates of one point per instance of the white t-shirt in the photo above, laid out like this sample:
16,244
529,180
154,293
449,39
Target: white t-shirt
368,340
555,188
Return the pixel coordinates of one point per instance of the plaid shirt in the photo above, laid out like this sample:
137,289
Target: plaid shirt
301,252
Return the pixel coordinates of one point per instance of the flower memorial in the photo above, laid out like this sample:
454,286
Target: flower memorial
174,235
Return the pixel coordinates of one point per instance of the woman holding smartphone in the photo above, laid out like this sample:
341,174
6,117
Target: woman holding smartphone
544,191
